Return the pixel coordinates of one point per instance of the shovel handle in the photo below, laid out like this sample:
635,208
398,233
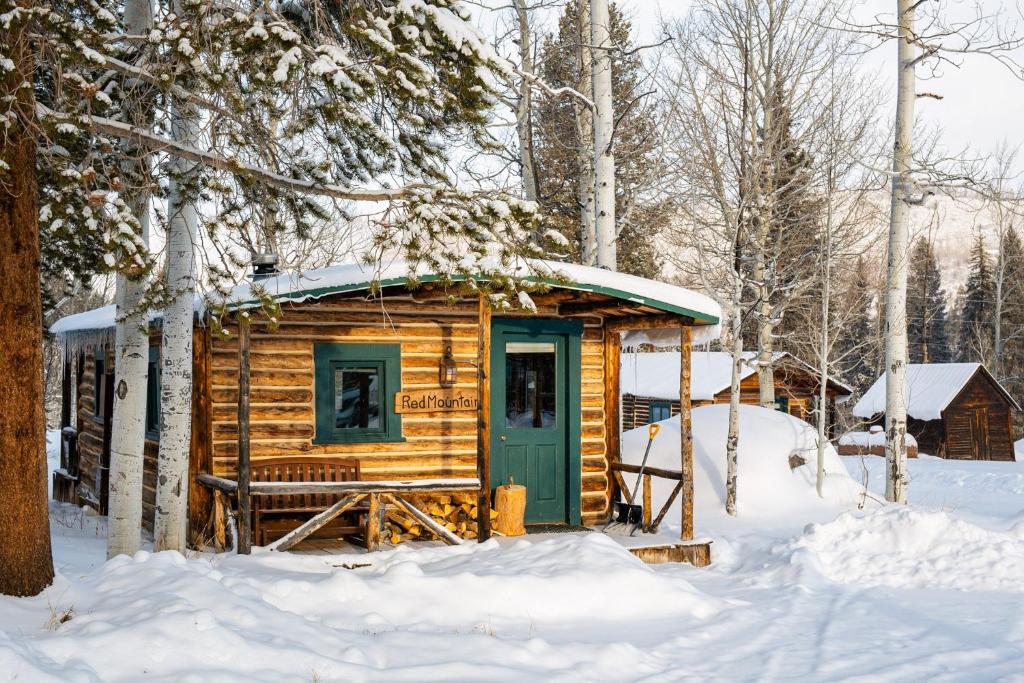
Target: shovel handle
652,430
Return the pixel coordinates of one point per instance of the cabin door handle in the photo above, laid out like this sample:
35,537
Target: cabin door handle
503,437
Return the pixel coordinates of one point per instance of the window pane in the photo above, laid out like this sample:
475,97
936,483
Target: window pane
357,398
530,386
659,412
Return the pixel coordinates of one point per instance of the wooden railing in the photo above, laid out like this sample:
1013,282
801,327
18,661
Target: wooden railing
649,525
380,493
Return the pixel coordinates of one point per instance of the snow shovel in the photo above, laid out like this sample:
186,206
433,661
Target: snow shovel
628,513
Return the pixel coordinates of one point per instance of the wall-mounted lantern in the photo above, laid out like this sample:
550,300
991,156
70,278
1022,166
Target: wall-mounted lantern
448,372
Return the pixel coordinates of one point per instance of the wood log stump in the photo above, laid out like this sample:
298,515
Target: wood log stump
510,504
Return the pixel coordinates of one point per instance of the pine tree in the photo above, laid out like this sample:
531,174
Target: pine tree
975,339
26,563
927,327
1010,349
558,143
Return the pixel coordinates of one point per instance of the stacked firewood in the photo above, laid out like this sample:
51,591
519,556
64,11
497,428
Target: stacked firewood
456,513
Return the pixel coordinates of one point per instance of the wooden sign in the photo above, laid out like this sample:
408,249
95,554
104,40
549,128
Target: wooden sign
435,400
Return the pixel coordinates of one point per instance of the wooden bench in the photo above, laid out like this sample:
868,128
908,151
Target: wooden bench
285,508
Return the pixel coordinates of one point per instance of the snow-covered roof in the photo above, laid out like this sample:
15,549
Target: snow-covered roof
656,374
870,439
931,387
349,277
96,319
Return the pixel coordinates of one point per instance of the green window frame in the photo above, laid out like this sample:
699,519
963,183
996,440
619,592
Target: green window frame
153,394
386,360
658,411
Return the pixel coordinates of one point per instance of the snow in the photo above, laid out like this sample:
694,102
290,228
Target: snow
870,439
768,491
801,588
931,387
906,548
96,319
656,374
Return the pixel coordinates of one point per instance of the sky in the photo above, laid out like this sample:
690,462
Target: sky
982,103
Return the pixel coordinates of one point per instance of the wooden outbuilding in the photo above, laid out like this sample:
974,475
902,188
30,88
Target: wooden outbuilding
954,410
396,406
646,397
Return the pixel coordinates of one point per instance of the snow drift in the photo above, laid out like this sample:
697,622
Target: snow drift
767,489
906,548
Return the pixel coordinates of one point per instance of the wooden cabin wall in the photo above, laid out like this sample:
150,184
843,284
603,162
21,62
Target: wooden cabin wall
440,444
977,423
90,447
90,435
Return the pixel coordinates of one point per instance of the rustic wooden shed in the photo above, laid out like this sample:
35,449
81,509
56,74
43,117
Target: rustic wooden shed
407,394
647,398
954,410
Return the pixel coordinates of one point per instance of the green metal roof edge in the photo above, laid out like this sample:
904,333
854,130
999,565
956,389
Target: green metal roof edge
318,292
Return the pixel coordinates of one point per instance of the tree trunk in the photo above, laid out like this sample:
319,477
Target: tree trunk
733,437
131,368
765,359
585,151
170,527
26,564
896,286
524,107
823,351
604,128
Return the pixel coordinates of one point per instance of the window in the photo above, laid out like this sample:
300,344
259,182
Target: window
660,410
782,404
355,392
153,394
529,385
99,383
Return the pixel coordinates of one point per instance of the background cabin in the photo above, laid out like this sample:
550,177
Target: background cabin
954,410
648,394
87,407
412,392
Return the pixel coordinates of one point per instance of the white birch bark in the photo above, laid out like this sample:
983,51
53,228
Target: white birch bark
128,433
585,135
733,437
823,353
896,286
604,127
524,106
170,526
131,369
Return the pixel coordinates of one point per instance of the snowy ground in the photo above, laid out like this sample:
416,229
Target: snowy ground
929,592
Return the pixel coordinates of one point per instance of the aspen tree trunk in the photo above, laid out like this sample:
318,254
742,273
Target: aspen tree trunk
26,564
170,527
524,107
733,438
765,359
604,128
896,286
585,135
131,366
819,480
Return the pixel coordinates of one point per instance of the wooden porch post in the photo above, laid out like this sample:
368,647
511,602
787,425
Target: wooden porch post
244,516
686,430
483,420
612,362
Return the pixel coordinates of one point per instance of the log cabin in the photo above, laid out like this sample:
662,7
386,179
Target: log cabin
954,410
647,397
389,398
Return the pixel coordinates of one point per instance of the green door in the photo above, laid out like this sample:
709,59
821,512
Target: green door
535,414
